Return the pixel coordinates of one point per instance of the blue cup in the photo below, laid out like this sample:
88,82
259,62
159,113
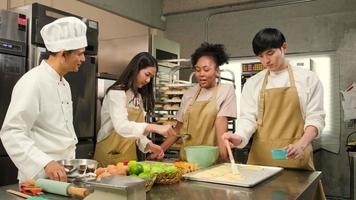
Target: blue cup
279,154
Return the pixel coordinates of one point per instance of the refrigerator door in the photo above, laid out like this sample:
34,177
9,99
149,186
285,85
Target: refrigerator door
83,87
11,69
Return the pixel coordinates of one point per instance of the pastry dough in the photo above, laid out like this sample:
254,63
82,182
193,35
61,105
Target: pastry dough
221,173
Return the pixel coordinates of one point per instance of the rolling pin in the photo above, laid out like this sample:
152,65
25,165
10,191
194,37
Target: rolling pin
25,196
61,188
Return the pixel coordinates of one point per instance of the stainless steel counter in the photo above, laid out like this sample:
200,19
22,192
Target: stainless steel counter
288,184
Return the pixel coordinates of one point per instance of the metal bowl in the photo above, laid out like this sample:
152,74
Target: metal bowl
76,167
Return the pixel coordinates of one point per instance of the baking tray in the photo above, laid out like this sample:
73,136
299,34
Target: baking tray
253,174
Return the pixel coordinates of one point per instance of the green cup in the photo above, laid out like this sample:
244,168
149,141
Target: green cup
204,156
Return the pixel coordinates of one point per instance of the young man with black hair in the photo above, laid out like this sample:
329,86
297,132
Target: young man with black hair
282,106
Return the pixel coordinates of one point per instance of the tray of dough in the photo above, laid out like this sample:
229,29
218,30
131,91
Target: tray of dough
248,176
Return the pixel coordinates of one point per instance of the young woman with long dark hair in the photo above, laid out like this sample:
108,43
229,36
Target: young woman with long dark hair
123,114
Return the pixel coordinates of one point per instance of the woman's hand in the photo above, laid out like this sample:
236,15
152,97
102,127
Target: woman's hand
234,139
157,152
164,130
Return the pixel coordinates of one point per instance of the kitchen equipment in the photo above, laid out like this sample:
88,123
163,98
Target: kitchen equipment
351,142
25,196
30,189
118,187
234,168
79,168
181,138
204,156
13,42
61,188
250,174
279,154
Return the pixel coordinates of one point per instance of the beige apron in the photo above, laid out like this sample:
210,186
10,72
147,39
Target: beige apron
199,121
280,122
116,148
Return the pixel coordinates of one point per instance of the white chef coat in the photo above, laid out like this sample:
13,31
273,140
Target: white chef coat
114,116
38,126
310,93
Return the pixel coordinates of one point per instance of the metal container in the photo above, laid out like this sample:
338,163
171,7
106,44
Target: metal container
79,168
118,187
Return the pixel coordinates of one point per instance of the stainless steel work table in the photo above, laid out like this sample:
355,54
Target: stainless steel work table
288,184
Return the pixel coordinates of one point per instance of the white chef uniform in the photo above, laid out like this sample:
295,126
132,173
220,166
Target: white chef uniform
38,126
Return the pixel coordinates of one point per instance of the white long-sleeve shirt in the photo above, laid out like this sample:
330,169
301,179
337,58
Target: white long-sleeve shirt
114,116
38,126
310,93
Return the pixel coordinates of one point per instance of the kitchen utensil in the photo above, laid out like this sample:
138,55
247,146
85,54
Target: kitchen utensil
69,171
234,168
61,188
253,174
31,190
279,154
25,196
181,138
83,169
204,156
117,187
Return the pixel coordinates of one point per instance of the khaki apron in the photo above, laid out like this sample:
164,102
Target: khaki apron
280,123
199,121
116,148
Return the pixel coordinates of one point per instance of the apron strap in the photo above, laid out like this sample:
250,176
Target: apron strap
261,104
187,112
291,76
129,97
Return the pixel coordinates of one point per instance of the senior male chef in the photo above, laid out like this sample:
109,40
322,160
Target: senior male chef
38,127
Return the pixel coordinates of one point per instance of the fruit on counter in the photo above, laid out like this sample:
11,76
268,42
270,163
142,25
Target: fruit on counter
145,175
146,167
118,169
156,170
170,169
144,170
135,167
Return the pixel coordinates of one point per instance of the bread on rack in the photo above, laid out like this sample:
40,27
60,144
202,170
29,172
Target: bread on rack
164,99
167,107
173,91
175,106
171,106
158,105
175,98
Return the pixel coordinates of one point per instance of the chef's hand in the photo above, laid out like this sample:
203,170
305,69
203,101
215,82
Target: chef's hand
55,171
234,139
294,151
157,152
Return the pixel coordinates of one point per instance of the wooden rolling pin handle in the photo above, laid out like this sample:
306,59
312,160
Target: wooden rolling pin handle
20,194
75,191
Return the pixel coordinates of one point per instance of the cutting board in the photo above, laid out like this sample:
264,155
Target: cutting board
249,176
